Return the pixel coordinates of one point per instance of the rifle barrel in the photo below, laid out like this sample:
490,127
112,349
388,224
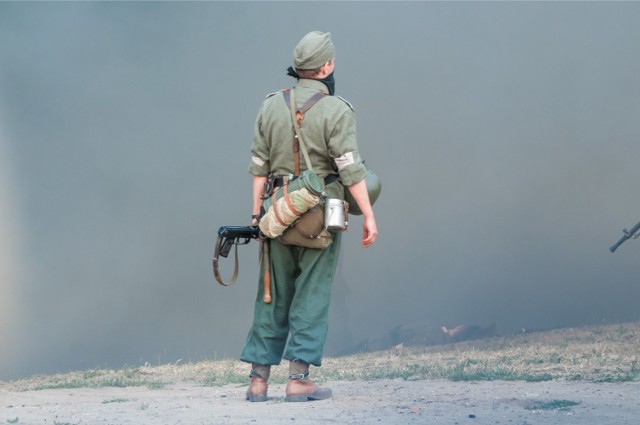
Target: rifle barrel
633,233
617,244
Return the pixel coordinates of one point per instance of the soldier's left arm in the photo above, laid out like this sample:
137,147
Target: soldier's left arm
343,146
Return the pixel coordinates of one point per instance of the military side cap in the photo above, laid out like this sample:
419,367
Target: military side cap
313,50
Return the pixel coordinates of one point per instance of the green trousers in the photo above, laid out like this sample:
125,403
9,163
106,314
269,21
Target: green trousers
301,280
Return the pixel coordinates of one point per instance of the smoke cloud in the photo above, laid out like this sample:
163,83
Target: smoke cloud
10,257
505,135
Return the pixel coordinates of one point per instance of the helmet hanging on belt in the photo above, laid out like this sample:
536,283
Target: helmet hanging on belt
374,186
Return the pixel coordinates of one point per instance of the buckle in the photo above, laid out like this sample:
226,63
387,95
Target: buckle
299,376
255,374
279,181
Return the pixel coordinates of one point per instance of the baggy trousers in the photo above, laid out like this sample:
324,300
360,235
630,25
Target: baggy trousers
301,280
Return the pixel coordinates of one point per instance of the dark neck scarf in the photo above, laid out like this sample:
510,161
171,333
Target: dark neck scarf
328,81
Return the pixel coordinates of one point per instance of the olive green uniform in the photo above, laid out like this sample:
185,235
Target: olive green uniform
301,277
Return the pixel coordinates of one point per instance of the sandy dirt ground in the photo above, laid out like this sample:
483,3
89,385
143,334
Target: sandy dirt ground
378,402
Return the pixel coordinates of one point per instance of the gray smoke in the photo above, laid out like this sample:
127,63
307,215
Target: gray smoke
506,136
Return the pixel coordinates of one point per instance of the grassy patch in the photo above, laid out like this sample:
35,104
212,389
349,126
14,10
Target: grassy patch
591,354
116,400
128,377
562,405
117,382
229,373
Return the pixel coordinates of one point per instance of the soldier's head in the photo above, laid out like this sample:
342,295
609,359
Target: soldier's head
313,56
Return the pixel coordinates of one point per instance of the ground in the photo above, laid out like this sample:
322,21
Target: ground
354,402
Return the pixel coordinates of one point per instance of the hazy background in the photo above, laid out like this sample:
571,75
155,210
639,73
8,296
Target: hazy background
506,134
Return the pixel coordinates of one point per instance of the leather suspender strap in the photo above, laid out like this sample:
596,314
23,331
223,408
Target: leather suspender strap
298,117
296,155
307,105
298,135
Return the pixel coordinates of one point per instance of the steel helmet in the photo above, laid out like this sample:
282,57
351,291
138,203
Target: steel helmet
374,186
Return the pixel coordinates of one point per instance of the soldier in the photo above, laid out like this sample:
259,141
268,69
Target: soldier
302,277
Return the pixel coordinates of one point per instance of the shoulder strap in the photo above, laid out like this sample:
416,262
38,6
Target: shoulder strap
298,116
297,120
307,105
216,273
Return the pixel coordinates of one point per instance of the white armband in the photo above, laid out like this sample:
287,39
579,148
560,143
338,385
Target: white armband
259,162
344,161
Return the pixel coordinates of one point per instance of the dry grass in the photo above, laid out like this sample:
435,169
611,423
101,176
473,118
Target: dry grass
595,354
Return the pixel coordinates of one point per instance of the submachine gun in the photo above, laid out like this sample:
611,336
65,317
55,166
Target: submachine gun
229,236
628,234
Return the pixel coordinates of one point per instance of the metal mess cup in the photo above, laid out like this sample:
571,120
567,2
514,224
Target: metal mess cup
335,215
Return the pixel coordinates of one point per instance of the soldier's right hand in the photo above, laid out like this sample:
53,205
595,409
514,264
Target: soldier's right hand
369,231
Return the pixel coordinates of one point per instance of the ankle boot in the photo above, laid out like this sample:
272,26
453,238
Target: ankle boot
257,390
300,387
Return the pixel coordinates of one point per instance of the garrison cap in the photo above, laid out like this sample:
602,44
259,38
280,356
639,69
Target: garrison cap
313,50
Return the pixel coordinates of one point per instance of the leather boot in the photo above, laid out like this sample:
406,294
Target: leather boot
305,390
257,390
300,387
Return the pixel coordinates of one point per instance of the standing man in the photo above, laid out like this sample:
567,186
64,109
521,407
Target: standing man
302,277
